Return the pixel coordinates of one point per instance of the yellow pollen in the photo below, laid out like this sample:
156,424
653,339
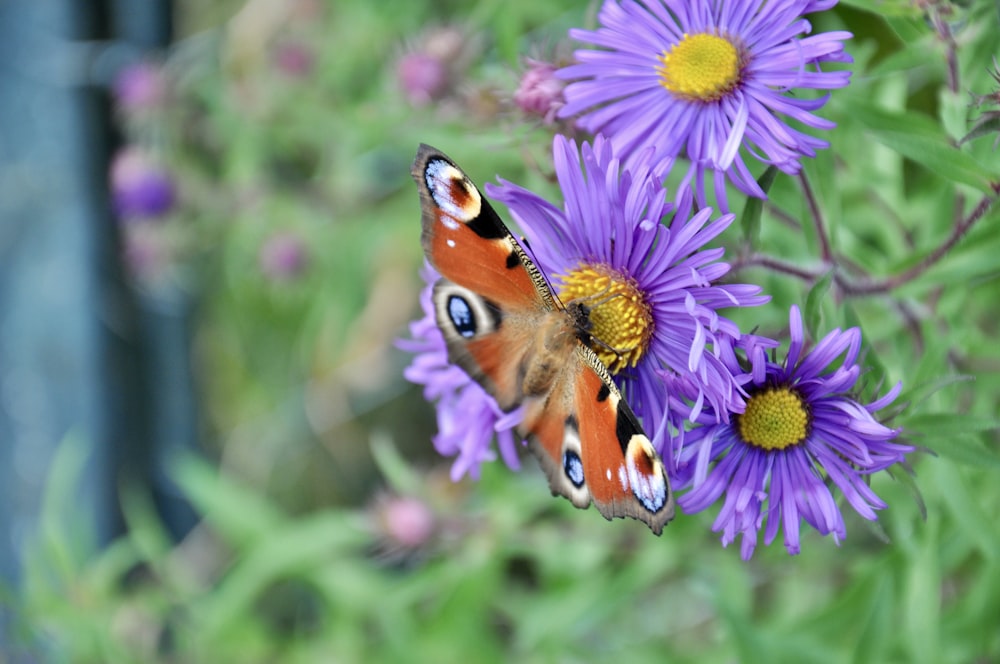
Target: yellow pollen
620,318
774,419
700,67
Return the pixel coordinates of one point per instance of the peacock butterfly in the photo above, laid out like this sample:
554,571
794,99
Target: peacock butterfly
506,328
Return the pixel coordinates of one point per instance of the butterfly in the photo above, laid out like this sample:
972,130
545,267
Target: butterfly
505,327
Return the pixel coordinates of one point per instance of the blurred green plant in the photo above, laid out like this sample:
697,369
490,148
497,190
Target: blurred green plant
287,123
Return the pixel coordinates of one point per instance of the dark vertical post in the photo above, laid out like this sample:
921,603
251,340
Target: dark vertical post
72,341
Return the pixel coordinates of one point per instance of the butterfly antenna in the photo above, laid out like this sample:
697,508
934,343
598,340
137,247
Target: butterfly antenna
594,305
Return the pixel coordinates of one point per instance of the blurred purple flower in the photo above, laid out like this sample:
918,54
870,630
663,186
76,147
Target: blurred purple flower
283,257
422,77
540,92
430,68
802,433
141,189
294,59
141,86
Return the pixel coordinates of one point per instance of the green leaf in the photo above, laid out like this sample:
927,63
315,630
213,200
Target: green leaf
886,8
902,475
969,450
750,219
988,123
871,643
397,473
950,424
911,58
920,139
813,314
921,594
919,393
965,507
65,533
240,514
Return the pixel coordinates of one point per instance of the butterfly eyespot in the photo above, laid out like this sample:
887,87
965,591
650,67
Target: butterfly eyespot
461,316
573,467
451,191
643,475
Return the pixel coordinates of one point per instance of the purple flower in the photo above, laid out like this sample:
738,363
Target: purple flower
467,416
283,257
141,86
801,431
701,78
540,92
294,59
654,304
140,187
422,77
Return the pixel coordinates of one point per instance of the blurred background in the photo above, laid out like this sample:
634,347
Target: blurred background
209,247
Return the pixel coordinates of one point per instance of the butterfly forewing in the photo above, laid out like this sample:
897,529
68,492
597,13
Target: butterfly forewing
466,241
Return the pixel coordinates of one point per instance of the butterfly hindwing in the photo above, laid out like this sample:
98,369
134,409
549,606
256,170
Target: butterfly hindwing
626,478
592,448
483,339
505,329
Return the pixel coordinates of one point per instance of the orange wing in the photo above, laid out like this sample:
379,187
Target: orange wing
465,240
592,448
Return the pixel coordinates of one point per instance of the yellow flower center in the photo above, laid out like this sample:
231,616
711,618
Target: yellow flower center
701,67
774,419
621,319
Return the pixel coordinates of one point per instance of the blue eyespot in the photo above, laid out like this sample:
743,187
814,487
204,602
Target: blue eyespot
573,467
461,316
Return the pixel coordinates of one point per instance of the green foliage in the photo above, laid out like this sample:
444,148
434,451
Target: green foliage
297,558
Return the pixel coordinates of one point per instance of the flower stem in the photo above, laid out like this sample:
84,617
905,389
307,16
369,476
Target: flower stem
775,265
817,217
958,231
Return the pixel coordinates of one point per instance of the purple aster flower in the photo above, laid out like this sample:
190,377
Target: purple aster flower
467,416
655,305
801,432
701,78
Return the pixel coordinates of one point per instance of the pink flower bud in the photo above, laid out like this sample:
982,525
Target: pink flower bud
406,522
540,93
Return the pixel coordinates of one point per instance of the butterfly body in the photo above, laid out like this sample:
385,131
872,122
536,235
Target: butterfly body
503,325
